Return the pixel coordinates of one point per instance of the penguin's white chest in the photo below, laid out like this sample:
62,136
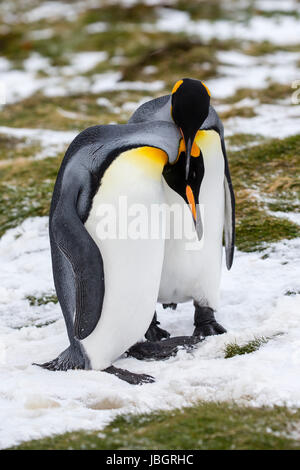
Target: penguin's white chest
132,260
193,271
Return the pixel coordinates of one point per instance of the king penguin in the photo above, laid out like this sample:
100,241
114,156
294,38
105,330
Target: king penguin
107,287
195,274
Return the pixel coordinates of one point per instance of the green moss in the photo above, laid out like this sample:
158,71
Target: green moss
76,112
292,292
272,93
14,44
243,111
233,349
205,426
136,13
42,300
171,58
12,148
277,13
47,112
266,47
208,9
271,167
255,228
26,190
285,205
239,141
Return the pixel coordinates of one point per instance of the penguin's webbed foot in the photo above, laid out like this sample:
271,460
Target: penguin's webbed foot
210,329
130,377
205,323
154,333
71,358
159,350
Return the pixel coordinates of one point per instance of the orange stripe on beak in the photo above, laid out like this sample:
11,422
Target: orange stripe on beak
191,199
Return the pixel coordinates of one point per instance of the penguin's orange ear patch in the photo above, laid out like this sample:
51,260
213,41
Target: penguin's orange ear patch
206,88
177,85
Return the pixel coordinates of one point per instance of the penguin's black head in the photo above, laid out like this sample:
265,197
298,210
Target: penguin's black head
190,107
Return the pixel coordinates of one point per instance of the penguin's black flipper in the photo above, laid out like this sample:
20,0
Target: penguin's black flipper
160,350
229,216
77,261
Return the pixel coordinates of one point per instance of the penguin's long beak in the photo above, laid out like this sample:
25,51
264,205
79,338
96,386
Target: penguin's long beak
192,189
195,209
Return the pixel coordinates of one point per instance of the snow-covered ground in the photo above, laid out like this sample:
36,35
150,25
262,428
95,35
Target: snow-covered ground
253,304
254,299
276,30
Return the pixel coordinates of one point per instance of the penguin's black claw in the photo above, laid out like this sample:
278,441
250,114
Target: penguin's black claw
172,306
160,350
130,377
206,323
155,333
71,358
209,329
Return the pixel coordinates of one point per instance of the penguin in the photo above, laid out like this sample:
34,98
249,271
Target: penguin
107,287
195,274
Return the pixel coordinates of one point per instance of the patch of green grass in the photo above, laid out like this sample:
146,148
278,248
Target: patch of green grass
205,426
171,58
243,111
234,349
43,300
271,167
285,205
277,13
12,148
292,292
44,112
76,112
137,13
240,141
265,47
270,94
209,9
26,190
255,228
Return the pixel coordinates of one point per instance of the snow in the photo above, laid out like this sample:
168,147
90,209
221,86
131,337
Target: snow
272,121
238,70
279,30
40,34
54,10
253,304
254,301
98,27
84,61
51,141
277,5
291,216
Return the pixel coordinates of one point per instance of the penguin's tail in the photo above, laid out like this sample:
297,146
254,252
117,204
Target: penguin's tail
72,358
